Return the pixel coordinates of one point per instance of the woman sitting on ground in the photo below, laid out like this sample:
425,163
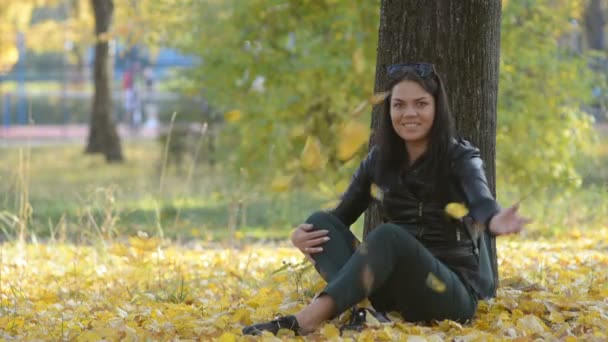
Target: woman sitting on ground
419,166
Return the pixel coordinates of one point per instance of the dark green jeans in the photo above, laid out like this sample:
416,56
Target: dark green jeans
391,268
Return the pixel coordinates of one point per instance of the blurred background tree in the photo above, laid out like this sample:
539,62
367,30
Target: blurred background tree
296,71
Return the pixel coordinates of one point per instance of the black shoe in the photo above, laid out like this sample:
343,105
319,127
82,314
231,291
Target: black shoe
281,322
358,319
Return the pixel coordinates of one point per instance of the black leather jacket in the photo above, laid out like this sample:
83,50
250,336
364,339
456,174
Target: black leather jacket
418,205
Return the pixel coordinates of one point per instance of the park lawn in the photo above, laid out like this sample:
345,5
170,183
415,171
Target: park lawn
79,196
144,289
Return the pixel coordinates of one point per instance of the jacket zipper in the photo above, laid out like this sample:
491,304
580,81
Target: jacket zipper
457,234
420,215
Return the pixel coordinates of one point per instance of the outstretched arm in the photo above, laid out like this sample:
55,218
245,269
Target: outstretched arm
508,221
481,203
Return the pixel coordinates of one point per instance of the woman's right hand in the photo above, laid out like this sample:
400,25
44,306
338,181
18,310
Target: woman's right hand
309,241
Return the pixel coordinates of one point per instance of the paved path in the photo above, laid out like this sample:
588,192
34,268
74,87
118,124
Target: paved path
59,134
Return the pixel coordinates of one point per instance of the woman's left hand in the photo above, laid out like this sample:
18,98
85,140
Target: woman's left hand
508,221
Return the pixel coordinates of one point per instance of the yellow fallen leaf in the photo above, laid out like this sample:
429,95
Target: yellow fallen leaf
433,282
118,249
311,157
531,324
352,136
456,210
228,337
144,244
233,116
330,331
556,317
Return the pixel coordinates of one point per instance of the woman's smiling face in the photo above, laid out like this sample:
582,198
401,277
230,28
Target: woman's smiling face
412,112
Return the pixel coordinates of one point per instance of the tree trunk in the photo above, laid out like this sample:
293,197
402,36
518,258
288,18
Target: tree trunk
462,39
595,21
103,137
80,73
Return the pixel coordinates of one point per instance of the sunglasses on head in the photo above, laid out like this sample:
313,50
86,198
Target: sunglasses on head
423,70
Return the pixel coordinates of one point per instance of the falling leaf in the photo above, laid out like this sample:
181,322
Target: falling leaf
297,132
358,60
456,210
311,154
378,97
362,247
233,116
281,183
359,109
376,192
352,136
341,186
367,278
330,204
434,283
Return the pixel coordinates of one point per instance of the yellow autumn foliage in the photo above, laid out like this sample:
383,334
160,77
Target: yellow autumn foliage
281,183
311,157
8,56
551,289
233,116
353,135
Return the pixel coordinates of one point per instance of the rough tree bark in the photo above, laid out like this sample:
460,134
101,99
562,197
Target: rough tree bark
462,39
595,22
103,137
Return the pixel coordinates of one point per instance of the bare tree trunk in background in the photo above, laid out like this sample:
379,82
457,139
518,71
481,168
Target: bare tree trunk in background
103,137
595,21
79,76
462,39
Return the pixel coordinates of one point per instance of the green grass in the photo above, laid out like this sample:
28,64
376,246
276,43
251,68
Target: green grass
79,197
75,194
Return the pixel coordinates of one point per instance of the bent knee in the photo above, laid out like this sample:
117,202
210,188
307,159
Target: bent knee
324,220
319,217
388,232
384,231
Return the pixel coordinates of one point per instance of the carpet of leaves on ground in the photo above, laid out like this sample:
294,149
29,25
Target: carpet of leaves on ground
142,289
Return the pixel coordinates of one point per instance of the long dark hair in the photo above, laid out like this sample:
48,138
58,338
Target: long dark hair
392,150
